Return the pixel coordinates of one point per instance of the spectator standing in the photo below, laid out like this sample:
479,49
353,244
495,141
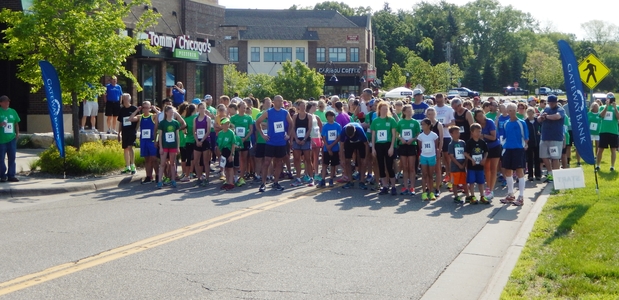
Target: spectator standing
8,139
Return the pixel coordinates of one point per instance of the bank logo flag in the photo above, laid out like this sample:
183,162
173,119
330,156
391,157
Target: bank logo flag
51,84
576,103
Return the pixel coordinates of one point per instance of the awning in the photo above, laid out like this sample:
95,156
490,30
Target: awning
216,58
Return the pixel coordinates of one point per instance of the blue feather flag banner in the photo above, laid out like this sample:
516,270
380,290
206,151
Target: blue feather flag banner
51,84
577,104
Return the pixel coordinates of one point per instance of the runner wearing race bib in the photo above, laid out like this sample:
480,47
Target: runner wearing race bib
148,125
383,141
202,150
168,139
226,143
429,144
302,143
408,130
476,152
243,129
457,163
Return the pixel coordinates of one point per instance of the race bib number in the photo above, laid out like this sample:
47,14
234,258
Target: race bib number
477,158
212,124
407,134
459,153
300,133
126,121
240,131
427,147
200,133
608,116
222,162
441,120
278,126
553,150
145,133
8,128
170,137
593,126
331,135
381,136
461,129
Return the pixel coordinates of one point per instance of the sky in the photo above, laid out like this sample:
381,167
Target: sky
562,15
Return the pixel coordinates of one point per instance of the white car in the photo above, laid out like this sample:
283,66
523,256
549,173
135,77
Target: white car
452,94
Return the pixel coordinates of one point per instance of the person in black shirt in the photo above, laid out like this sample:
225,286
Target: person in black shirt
126,132
476,152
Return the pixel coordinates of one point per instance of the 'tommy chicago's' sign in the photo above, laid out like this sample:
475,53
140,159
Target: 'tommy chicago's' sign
182,42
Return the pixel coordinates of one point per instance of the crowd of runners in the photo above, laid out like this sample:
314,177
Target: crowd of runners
423,145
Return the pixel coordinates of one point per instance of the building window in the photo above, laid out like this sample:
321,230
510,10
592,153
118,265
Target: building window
301,54
337,54
320,55
255,54
233,54
354,54
277,54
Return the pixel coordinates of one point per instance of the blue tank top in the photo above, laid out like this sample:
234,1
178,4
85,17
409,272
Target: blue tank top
147,128
278,126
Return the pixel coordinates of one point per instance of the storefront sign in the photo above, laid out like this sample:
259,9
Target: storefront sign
339,70
352,39
182,42
186,54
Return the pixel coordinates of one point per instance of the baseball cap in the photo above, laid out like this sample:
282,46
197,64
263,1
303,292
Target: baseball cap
532,99
417,92
196,101
208,97
368,91
224,121
553,98
610,96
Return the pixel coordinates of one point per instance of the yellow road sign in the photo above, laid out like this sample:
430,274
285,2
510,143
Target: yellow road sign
592,71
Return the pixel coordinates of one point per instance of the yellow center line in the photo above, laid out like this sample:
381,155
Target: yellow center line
61,270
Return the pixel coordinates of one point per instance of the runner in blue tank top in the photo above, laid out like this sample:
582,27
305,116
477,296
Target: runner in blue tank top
148,150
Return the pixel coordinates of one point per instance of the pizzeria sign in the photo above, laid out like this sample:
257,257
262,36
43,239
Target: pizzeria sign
182,42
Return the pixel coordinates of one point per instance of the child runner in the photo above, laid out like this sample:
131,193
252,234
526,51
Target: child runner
302,124
148,150
202,150
190,143
476,152
457,163
383,139
226,143
408,130
168,145
316,140
243,128
330,155
429,142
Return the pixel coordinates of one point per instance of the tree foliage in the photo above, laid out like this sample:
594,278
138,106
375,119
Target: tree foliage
234,81
297,81
394,78
543,67
81,39
260,85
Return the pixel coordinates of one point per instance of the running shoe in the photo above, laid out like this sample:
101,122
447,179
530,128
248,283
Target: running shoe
446,178
306,179
531,179
147,180
612,169
262,188
222,177
228,187
597,168
404,191
322,184
278,187
185,179
509,199
458,199
159,185
412,191
487,192
317,178
549,178
450,186
355,176
241,182
349,185
369,178
393,191
296,182
519,202
330,182
491,196
432,196
424,197
166,181
474,200
468,199
257,180
484,200
363,186
437,193
290,176
198,182
384,191
311,182
343,179
204,183
125,171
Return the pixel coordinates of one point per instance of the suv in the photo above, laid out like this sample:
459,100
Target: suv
544,91
464,92
511,91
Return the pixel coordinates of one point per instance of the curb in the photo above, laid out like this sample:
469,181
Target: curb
16,192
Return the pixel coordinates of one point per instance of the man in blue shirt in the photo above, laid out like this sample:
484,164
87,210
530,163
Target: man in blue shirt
516,139
178,94
354,139
551,145
112,104
419,106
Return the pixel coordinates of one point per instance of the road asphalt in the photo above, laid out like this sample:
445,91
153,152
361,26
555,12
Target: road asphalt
304,243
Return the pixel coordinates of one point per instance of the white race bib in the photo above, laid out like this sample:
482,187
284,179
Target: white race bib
316,131
554,150
608,116
301,133
278,126
461,129
200,133
477,158
222,161
331,135
240,131
265,131
427,147
381,135
170,137
126,121
145,134
8,128
407,134
593,126
212,124
441,120
459,153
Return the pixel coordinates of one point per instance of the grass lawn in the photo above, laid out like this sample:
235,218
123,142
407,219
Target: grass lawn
573,250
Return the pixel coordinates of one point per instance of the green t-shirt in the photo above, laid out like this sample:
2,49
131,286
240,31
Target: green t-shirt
368,120
382,127
594,123
321,115
609,121
168,137
492,115
189,138
520,116
7,133
254,113
259,139
225,139
212,111
242,124
408,129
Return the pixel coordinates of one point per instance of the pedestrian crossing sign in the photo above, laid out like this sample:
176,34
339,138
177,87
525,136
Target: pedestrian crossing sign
592,71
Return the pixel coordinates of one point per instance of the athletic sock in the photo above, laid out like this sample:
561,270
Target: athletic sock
521,184
510,185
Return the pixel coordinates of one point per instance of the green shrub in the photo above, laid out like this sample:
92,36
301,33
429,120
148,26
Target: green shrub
24,142
92,158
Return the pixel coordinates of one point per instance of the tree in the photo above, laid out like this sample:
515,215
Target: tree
443,78
381,62
394,78
343,8
489,79
260,85
472,77
599,32
76,37
543,67
234,81
505,74
297,81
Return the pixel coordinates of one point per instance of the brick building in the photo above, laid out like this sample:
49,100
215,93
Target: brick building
195,22
341,48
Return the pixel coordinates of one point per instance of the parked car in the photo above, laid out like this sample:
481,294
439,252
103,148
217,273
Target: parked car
558,92
512,91
544,91
464,92
452,94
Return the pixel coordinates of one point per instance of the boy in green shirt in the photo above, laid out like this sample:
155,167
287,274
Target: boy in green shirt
226,143
243,129
168,140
